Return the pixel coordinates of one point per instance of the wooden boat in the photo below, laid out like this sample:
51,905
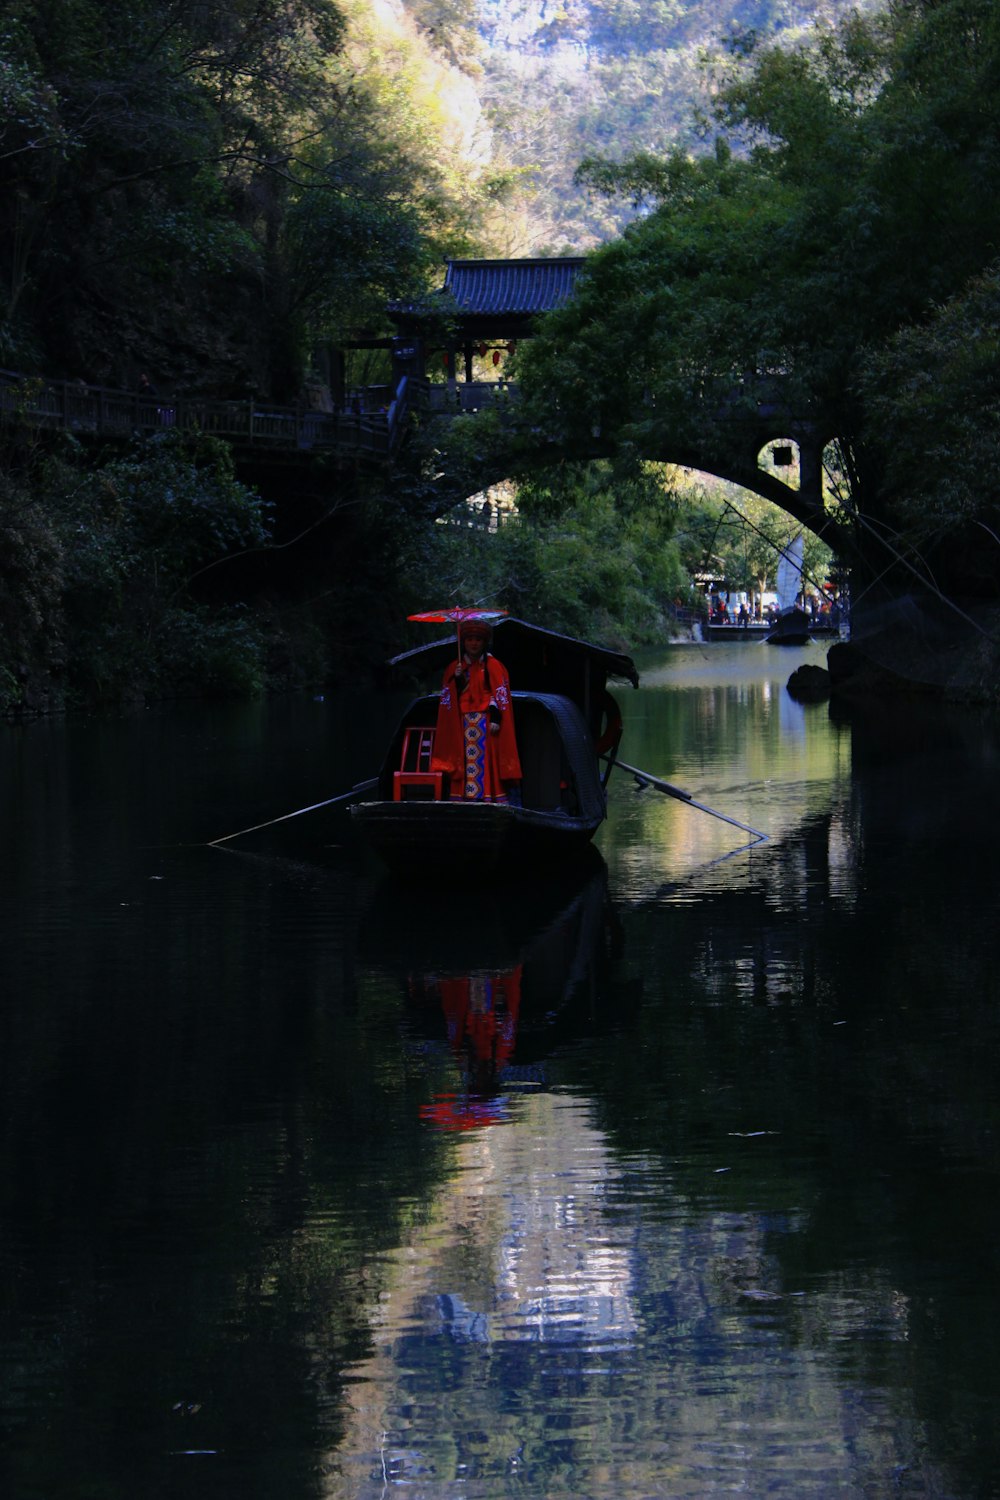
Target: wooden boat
566,723
733,631
791,628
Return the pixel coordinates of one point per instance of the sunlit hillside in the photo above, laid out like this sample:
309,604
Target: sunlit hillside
558,80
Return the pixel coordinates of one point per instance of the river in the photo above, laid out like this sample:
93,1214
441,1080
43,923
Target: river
674,1176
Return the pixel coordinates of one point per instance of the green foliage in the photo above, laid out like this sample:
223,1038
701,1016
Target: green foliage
738,538
177,513
31,625
202,652
933,395
135,534
855,186
200,191
450,25
581,556
669,318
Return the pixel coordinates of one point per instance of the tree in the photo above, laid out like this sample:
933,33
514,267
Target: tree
136,532
739,537
933,394
589,553
853,188
203,189
135,232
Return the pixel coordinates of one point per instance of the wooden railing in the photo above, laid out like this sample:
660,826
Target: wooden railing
370,425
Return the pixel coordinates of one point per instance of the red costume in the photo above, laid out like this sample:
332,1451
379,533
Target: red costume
477,762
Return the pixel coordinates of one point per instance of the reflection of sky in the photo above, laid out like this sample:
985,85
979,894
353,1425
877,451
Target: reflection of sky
563,1268
564,1321
533,1196
719,664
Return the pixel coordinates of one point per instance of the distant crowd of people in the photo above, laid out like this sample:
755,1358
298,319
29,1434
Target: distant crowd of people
820,609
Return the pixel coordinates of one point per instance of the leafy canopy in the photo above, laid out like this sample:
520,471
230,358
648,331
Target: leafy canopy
854,189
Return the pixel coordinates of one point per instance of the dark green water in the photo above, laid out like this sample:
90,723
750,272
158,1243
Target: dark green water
674,1177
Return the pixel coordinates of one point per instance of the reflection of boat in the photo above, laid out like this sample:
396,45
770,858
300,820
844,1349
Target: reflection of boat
791,628
565,720
495,977
447,927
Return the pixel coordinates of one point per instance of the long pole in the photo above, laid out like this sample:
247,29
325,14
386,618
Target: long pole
645,778
356,791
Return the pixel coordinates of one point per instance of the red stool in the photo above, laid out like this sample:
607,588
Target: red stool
415,780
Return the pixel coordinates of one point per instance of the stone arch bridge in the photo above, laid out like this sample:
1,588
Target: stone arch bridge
483,310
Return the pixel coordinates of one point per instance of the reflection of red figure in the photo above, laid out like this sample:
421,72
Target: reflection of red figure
481,1016
481,1012
450,1112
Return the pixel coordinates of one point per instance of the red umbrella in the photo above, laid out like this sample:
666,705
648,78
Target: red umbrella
458,618
451,616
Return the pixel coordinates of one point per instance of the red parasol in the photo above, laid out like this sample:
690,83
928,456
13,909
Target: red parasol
458,618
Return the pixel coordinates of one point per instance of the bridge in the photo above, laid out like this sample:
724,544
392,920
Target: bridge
484,308
372,425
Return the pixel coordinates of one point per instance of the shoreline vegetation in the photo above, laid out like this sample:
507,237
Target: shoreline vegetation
225,201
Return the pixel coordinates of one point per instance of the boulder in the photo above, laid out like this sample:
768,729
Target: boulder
809,684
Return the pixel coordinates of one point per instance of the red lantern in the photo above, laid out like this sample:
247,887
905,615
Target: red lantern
496,356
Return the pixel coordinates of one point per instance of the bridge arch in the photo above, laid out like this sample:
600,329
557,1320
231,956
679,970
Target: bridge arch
751,465
484,307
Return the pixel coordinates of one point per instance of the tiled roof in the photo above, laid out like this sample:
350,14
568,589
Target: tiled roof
511,286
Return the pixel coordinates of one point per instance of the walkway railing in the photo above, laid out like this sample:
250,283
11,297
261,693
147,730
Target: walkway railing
371,426
372,422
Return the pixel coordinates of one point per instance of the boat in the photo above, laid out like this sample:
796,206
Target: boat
790,628
791,625
568,731
733,630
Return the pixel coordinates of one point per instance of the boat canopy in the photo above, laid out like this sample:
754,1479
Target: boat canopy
538,661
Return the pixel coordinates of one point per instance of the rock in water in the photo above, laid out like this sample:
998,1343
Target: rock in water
809,684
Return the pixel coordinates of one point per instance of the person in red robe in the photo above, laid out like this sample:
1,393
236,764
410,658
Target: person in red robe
475,744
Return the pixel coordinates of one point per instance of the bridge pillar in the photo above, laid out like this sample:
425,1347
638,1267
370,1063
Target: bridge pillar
811,469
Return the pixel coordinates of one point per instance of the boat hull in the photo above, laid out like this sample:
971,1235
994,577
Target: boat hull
563,801
735,633
469,836
790,629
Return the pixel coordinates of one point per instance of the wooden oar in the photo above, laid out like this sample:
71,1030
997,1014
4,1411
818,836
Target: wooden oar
645,778
356,791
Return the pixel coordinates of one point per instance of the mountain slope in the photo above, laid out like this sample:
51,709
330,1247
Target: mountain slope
563,79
